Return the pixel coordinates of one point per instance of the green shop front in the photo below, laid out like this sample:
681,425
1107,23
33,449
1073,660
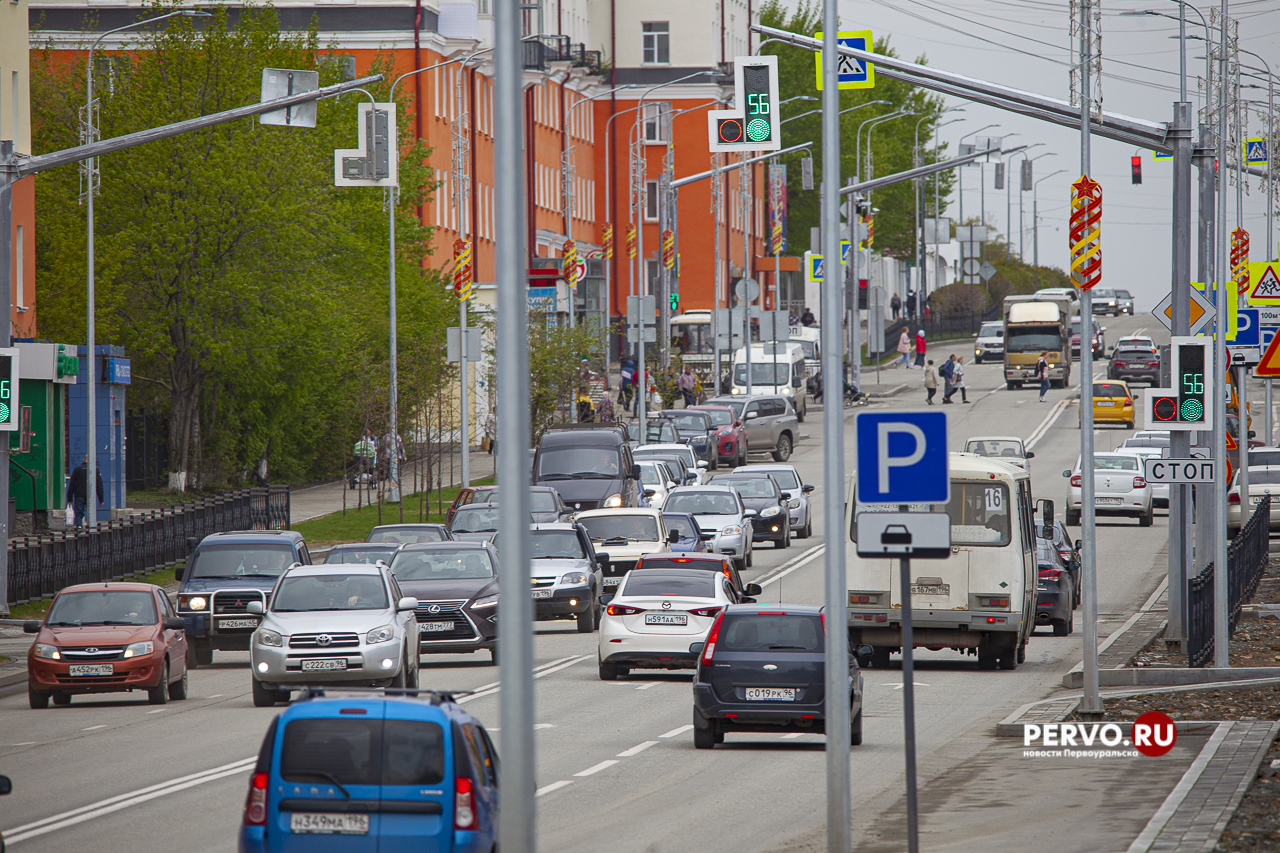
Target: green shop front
38,457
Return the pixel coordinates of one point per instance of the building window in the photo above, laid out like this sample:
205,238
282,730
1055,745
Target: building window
485,8
657,43
657,121
651,201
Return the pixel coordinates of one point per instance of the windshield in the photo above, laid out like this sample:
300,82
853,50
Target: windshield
995,447
1104,294
540,500
571,463
749,487
1033,339
786,480
766,373
407,535
810,348
692,337
555,545
1109,389
359,555
682,452
659,432
109,607
1124,294
991,330
736,405
1114,463
652,583
237,561
363,752
702,503
442,565
781,632
650,475
691,421
305,593
633,528
682,524
475,518
720,418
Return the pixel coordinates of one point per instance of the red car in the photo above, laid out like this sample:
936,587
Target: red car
731,437
107,638
467,495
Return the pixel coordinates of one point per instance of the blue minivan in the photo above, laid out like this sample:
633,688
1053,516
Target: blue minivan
371,770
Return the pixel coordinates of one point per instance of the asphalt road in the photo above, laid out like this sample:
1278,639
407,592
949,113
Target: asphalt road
616,763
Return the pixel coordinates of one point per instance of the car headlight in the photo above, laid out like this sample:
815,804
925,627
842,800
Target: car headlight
381,634
137,650
47,652
485,601
735,390
770,511
794,504
267,637
574,579
195,602
731,530
612,501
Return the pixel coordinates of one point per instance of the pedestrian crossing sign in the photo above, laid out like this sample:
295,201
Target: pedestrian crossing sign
854,73
1266,278
1157,155
1255,151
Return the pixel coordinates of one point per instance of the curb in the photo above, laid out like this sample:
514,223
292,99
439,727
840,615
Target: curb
9,679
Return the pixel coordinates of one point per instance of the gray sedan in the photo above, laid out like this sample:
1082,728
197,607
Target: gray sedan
788,480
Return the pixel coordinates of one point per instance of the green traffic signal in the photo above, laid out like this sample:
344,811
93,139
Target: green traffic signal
675,301
759,103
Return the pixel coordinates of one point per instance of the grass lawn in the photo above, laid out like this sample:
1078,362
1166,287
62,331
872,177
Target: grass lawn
38,608
355,525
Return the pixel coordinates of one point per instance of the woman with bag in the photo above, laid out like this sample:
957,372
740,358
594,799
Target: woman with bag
904,347
957,380
1042,373
930,382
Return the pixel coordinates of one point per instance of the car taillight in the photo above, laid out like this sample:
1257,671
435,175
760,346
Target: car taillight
1128,402
255,805
709,650
705,611
1139,482
622,610
464,812
1153,364
1051,574
1075,481
1064,553
1233,498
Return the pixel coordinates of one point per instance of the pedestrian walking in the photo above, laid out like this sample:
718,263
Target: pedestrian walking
895,305
491,429
957,379
930,382
807,318
920,348
687,383
947,366
1042,373
628,383
911,305
366,454
904,347
78,491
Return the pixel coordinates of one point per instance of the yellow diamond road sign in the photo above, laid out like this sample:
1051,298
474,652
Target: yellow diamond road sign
1266,288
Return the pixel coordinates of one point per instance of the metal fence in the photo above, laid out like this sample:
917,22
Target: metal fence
1247,556
41,565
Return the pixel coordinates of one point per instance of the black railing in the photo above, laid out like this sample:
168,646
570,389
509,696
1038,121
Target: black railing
41,565
1247,556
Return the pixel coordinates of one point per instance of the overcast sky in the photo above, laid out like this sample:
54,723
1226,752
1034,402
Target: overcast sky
1024,43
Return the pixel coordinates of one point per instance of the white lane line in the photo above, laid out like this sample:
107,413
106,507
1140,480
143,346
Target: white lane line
794,735
554,786
803,555
596,768
813,553
637,749
158,711
91,728
214,696
545,669
537,726
647,686
677,732
25,743
1148,836
1043,429
122,801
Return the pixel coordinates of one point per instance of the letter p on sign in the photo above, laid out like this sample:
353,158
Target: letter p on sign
902,458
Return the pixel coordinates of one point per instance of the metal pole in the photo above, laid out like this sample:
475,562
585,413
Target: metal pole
1091,702
839,817
6,291
394,450
1205,497
460,180
717,197
517,831
909,705
854,308
1180,441
1221,657
642,276
745,200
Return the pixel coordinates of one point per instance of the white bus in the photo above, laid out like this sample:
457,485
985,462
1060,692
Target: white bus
691,338
981,600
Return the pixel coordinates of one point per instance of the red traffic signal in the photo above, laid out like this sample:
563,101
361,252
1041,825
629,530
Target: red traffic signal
1136,169
729,130
1163,408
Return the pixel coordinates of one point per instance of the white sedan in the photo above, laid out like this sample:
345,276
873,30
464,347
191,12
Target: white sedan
1263,480
1159,491
1006,448
656,615
1119,488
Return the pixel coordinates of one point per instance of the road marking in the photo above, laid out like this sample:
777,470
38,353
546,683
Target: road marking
798,563
900,685
554,786
789,563
648,685
1043,429
794,735
537,726
25,743
1143,842
679,731
637,749
214,696
91,728
596,768
123,801
546,669
158,711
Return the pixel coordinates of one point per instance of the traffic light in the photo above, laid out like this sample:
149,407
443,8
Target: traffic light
862,294
675,301
9,389
753,124
1186,405
1135,168
1189,362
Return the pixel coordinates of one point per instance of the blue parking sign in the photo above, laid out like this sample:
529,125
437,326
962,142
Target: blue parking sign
1248,328
902,457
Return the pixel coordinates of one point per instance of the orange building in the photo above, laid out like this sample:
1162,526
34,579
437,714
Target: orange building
15,125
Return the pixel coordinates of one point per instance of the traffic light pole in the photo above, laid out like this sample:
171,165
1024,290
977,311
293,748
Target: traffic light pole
1180,441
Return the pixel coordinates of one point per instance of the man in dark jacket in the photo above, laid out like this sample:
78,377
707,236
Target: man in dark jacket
77,493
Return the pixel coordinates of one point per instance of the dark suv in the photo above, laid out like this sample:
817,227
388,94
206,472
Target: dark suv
1133,363
221,576
590,465
456,584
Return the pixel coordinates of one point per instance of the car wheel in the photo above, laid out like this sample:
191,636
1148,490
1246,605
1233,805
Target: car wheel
1009,659
880,657
705,738
987,660
740,565
1071,624
179,689
1022,652
262,697
36,699
586,621
808,528
801,411
608,672
742,454
413,676
855,729
599,612
1073,518
159,695
1147,518
1060,628
192,661
751,557
786,538
398,680
783,453
493,656
203,654
60,698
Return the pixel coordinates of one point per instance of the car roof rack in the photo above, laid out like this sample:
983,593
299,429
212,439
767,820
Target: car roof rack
435,697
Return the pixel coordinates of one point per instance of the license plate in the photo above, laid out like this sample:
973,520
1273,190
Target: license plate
612,581
93,669
237,623
324,665
931,589
771,694
1103,403
1255,501
666,619
542,593
1107,501
329,824
435,627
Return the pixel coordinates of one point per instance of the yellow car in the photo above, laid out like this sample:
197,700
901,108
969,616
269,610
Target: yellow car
1112,403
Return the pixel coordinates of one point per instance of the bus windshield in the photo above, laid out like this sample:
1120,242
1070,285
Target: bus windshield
691,336
1033,339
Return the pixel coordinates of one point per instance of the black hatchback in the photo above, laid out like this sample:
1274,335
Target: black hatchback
760,492
762,669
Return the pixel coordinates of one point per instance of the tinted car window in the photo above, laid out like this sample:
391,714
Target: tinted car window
442,565
648,583
771,633
405,536
233,561
687,565
1115,463
570,462
413,753
682,525
363,752
989,447
786,480
641,528
720,418
702,503
475,518
330,592
1143,354
539,500
750,487
555,545
359,555
691,420
1109,389
109,607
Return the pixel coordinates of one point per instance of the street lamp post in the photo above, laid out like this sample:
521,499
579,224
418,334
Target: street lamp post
1035,228
1021,226
937,211
919,190
1008,202
960,171
91,135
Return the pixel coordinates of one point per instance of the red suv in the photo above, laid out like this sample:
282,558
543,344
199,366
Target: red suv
731,436
107,638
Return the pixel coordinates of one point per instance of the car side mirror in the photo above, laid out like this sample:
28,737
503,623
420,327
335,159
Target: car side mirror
648,493
696,648
702,463
673,536
6,786
670,485
753,589
407,603
750,513
602,559
1253,433
635,471
864,655
1029,455
786,496
31,626
796,382
174,623
191,543
254,607
737,424
746,599
606,598
752,415
807,489
1077,546
1066,474
179,572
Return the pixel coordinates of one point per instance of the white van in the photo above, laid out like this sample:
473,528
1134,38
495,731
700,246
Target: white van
810,340
981,600
776,368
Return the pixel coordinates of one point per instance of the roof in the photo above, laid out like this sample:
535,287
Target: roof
692,556
328,568
415,525
764,466
709,487
788,609
117,586
447,545
363,546
649,512
237,536
971,465
1016,438
681,448
607,437
554,525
